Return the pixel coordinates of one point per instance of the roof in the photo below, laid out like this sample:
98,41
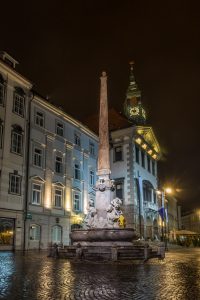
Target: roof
115,121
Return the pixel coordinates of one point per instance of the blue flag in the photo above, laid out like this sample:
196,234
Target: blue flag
161,212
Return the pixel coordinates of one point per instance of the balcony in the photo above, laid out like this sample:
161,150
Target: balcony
150,206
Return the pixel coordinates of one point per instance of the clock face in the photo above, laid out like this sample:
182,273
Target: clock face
134,111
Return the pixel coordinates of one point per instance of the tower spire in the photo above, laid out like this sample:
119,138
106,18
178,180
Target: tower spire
133,108
132,88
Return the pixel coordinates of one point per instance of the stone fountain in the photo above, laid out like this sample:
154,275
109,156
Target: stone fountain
104,225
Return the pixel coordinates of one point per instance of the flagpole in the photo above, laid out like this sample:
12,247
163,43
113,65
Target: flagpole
163,206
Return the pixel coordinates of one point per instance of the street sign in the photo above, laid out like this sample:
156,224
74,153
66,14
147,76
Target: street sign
29,216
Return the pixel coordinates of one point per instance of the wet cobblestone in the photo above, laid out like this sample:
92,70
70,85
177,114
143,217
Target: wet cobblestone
34,276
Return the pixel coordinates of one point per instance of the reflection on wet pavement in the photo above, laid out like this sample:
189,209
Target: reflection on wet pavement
35,276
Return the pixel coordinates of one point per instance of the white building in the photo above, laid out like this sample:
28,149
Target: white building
62,173
134,155
47,166
14,106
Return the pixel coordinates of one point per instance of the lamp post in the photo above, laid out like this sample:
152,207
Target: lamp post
163,214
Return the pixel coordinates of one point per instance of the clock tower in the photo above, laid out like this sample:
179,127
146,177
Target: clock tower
133,108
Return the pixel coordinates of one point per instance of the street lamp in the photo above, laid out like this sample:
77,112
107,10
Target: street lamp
163,213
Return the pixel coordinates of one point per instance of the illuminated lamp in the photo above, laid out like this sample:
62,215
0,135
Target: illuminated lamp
138,140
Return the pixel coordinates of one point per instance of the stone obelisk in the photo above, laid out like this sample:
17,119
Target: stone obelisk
104,184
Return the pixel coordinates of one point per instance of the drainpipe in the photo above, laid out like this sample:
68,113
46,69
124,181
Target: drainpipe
27,170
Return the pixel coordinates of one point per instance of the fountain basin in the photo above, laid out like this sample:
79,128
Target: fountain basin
103,236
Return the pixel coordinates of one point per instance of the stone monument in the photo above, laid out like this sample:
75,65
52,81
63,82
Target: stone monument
104,225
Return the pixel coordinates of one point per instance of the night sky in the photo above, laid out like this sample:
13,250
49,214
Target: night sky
63,46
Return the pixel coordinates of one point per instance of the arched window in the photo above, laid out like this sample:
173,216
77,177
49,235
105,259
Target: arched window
56,234
34,232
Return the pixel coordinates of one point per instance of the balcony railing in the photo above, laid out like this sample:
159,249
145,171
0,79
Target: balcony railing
150,206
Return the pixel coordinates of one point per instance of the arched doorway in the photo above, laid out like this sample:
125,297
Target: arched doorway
7,234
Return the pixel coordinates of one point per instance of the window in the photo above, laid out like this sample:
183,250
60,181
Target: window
36,194
58,198
91,149
16,142
18,104
35,232
2,92
137,154
147,191
153,168
58,164
1,133
56,234
77,171
149,163
91,177
37,157
119,189
77,202
59,129
39,118
14,184
118,153
143,158
77,139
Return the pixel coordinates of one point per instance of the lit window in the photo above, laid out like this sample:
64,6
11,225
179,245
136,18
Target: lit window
77,172
35,232
77,202
58,164
118,153
59,129
39,118
16,141
91,177
18,104
77,139
36,194
37,157
14,184
91,149
58,198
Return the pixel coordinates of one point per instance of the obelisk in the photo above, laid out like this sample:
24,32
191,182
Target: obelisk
104,184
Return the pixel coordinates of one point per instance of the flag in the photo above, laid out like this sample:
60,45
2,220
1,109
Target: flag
161,212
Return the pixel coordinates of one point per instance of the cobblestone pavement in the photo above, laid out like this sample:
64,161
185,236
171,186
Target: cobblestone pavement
34,276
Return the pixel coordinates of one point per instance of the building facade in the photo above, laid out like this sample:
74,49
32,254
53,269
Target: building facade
191,221
14,107
47,166
62,174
